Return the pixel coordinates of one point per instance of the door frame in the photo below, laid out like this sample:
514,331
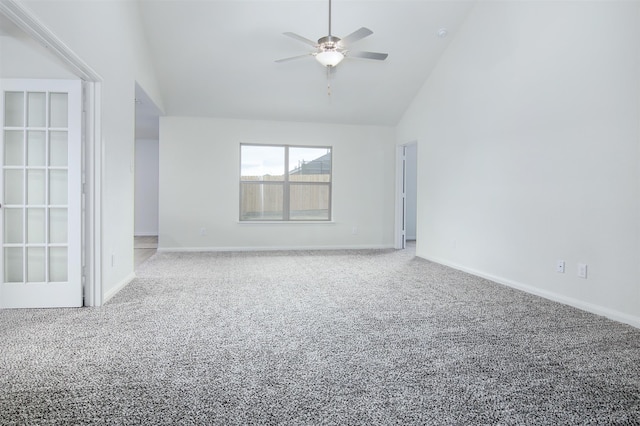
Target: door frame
400,202
92,184
400,233
92,145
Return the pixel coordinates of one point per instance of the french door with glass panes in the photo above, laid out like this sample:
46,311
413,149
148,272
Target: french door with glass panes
41,190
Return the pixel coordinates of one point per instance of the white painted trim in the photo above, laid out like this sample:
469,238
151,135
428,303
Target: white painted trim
399,214
271,248
122,284
93,196
27,21
555,297
286,222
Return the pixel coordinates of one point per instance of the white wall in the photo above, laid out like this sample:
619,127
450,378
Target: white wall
106,35
199,185
146,187
528,133
23,58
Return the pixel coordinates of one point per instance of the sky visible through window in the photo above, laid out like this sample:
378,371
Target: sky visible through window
269,160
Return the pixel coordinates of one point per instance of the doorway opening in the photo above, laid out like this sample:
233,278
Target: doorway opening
146,177
407,194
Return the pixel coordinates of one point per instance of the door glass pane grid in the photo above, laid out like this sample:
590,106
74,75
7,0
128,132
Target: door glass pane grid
14,148
36,148
35,177
14,113
37,109
58,110
58,141
13,264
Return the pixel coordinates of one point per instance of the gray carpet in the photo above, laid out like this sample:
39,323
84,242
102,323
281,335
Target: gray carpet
338,337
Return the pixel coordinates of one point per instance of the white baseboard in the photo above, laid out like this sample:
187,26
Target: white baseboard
122,284
555,297
271,248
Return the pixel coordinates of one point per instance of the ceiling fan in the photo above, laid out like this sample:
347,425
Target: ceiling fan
331,50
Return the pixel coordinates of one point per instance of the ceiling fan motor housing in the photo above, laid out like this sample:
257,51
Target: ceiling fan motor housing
328,42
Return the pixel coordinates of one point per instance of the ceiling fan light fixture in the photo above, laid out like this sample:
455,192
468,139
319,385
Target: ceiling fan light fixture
329,58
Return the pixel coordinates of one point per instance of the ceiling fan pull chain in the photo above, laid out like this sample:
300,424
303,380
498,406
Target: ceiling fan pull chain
328,80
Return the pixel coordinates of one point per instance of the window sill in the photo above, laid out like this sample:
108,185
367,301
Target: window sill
286,222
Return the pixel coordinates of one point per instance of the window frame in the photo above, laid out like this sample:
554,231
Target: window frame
286,185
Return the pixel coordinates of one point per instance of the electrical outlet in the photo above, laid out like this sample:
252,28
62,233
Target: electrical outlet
354,230
582,270
560,267
203,232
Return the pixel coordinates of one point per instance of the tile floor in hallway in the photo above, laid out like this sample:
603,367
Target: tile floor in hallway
143,248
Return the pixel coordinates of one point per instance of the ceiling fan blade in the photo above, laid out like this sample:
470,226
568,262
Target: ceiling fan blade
293,57
300,38
367,55
356,35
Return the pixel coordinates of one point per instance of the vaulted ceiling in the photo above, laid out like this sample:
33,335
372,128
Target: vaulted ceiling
217,58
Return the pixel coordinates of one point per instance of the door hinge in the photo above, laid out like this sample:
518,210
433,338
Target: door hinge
84,97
